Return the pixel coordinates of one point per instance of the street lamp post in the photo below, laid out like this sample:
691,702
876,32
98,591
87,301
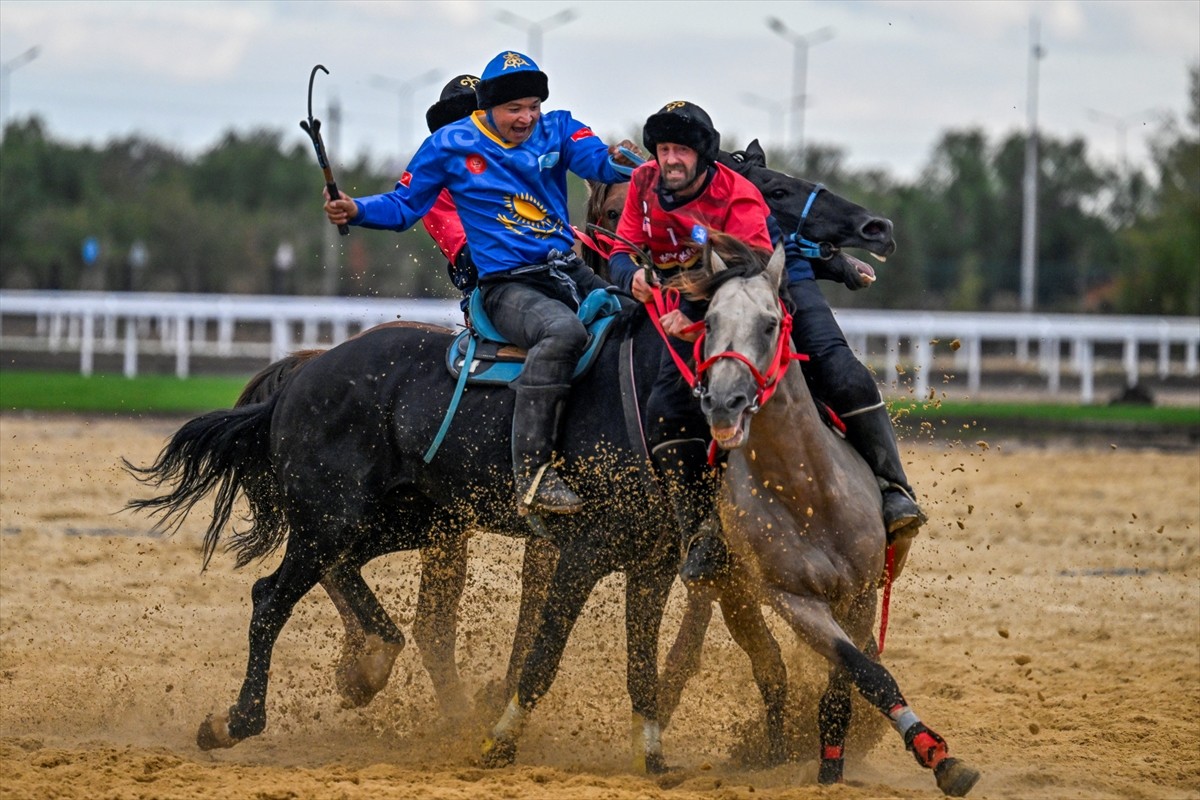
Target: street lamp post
800,46
1030,183
774,111
536,30
404,91
6,70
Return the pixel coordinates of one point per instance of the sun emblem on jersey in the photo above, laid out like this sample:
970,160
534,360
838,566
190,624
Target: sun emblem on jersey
674,104
513,60
527,215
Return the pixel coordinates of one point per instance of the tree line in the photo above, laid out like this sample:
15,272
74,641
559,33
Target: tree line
244,217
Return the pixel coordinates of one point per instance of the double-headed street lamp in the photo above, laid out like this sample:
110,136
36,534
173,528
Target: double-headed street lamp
801,42
537,29
404,91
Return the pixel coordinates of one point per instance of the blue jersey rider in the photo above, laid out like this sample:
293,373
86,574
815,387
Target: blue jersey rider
506,167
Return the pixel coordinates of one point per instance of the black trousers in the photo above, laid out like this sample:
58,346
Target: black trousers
536,310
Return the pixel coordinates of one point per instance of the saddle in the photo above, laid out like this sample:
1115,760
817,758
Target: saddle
481,354
495,360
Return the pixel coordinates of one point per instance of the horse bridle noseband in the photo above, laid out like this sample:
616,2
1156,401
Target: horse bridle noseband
822,251
768,381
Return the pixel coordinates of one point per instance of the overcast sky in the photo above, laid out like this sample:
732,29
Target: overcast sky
891,77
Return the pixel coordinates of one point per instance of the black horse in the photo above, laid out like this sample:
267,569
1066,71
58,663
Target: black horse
331,463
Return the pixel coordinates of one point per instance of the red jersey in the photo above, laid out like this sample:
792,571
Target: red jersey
729,204
445,227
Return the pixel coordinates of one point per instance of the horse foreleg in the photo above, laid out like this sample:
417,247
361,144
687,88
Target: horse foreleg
435,628
683,659
645,598
574,578
813,621
372,640
274,597
744,619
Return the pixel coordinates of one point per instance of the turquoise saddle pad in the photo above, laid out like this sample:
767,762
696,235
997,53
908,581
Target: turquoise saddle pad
495,360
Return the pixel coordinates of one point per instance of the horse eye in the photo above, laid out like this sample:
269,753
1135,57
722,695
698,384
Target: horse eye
613,215
778,194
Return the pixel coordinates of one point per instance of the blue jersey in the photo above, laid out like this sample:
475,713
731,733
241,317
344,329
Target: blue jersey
512,199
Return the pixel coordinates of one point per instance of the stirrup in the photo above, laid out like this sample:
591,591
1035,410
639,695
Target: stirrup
547,494
901,514
706,560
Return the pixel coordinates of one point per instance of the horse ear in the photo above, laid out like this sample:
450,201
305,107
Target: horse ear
715,263
776,267
755,154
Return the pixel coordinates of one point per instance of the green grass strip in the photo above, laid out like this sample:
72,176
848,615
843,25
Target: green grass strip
144,394
1122,414
164,394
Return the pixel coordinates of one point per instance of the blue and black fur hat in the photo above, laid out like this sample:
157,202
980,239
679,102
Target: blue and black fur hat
510,76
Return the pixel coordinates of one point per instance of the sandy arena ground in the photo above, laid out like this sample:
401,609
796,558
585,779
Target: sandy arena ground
1048,626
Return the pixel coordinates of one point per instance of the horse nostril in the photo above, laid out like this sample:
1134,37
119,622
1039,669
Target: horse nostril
876,228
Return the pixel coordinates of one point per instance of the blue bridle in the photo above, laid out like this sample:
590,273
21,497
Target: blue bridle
808,248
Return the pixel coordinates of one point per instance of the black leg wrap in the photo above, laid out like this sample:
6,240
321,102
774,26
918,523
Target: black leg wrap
873,680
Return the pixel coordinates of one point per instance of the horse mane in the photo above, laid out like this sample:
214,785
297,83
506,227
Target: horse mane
700,282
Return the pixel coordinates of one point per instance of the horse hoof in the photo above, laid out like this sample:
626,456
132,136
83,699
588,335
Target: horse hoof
214,733
830,771
955,778
656,764
364,675
499,752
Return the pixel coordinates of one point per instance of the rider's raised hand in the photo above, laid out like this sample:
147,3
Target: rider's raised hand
340,211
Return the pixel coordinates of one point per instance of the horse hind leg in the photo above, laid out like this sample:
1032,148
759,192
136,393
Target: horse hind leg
372,642
575,575
813,621
273,597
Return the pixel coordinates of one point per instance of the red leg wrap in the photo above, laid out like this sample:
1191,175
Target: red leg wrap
929,748
831,752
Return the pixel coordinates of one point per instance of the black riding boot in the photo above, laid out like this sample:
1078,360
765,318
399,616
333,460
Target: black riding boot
870,431
692,488
536,416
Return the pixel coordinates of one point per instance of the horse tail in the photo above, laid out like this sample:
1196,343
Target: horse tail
225,451
273,377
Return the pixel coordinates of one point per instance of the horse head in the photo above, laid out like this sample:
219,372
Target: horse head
605,202
746,345
820,221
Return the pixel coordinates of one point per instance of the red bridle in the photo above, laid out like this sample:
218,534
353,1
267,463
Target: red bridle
768,381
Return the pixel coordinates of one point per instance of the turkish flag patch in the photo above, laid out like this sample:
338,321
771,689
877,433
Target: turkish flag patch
582,133
406,179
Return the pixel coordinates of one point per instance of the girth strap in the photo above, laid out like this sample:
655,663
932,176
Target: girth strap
459,387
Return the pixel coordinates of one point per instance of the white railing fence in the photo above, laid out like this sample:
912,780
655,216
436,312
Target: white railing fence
265,327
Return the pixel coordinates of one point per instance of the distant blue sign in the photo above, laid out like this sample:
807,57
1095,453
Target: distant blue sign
91,250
